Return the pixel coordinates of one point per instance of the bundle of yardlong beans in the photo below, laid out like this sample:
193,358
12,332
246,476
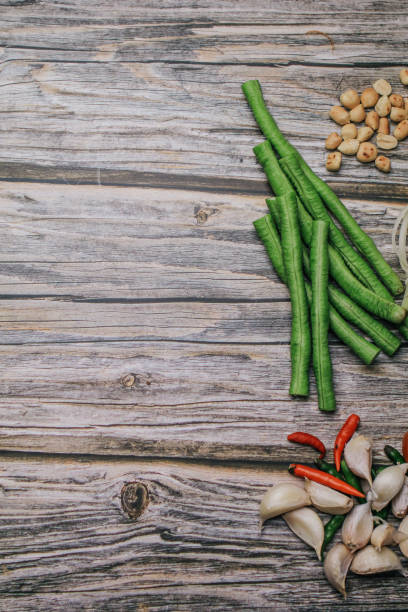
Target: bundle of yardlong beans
331,284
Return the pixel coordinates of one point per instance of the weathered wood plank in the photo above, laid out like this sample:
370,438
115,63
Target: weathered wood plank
181,399
151,323
165,97
198,540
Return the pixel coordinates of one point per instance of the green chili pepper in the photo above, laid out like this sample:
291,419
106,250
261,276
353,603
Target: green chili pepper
319,312
394,455
267,232
330,529
351,479
300,345
325,466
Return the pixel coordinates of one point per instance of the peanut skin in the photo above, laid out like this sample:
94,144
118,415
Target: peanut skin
339,115
367,152
332,141
383,163
369,97
372,119
333,161
384,126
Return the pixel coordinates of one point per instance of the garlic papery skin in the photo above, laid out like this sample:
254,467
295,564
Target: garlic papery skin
383,535
282,498
336,565
387,484
403,531
358,527
358,456
371,561
308,526
400,501
326,499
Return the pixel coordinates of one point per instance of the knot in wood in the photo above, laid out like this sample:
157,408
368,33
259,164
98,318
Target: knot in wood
202,214
128,380
134,498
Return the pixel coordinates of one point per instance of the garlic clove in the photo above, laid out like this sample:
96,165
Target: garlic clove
282,498
358,527
383,535
371,561
387,484
400,501
326,499
308,526
358,455
403,530
336,565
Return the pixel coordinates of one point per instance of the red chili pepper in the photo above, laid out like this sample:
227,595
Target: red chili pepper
304,438
405,446
304,471
344,436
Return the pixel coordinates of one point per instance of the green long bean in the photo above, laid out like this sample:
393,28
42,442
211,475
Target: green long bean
253,93
359,238
300,344
316,208
319,314
339,271
267,232
381,335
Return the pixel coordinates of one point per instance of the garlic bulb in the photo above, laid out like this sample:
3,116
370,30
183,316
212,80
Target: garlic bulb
358,527
403,531
336,565
400,501
282,498
371,561
387,484
326,499
383,535
357,454
307,525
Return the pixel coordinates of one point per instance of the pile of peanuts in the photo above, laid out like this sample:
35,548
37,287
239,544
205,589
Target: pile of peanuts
353,140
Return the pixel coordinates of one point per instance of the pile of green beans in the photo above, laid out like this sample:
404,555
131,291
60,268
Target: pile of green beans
347,286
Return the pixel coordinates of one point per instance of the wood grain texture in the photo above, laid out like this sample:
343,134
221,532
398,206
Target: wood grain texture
143,334
197,541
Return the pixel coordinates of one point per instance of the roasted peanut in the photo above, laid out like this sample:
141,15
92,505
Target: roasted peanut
332,141
397,100
404,76
333,161
406,104
369,97
339,115
398,114
364,133
357,113
386,141
384,126
349,146
382,87
383,163
372,120
350,98
349,131
383,106
367,152
401,131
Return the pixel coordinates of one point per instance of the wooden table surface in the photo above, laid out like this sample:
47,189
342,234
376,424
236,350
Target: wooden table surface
144,335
